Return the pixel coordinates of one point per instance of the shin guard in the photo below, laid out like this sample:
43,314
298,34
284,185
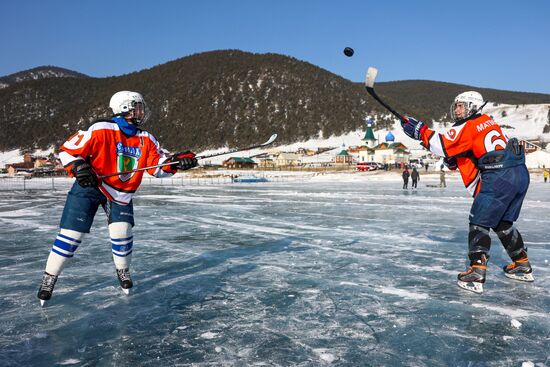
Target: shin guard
479,241
64,247
122,242
511,239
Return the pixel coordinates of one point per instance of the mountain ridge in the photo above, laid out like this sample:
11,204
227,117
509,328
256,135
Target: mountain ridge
40,72
224,98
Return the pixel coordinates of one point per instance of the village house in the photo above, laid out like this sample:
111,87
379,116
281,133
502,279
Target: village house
287,159
305,151
239,162
343,157
266,163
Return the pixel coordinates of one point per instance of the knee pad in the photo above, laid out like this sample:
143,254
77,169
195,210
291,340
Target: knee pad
122,239
479,240
511,239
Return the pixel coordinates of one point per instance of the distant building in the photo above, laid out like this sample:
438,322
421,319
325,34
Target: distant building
41,162
305,151
239,162
369,138
25,165
343,157
27,158
531,146
287,159
37,166
266,163
386,152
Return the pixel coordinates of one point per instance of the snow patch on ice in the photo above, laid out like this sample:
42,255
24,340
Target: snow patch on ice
69,362
324,355
512,312
209,335
403,293
19,213
515,323
349,283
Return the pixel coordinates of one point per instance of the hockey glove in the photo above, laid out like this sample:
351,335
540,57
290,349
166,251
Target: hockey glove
84,174
451,163
186,160
413,128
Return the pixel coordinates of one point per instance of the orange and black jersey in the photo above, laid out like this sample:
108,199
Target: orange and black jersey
467,142
108,150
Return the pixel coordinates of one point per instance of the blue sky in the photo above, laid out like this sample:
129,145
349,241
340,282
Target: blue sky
494,44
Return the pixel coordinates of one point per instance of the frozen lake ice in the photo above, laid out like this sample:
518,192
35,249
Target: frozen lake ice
349,271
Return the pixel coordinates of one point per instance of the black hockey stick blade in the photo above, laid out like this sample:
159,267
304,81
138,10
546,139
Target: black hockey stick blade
369,85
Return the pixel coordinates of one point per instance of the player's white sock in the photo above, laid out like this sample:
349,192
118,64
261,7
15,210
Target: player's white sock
122,242
65,245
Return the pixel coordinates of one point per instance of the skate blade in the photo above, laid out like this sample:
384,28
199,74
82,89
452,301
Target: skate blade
42,303
521,277
471,286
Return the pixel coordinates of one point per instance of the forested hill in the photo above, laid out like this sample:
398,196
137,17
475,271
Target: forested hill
40,72
223,98
431,101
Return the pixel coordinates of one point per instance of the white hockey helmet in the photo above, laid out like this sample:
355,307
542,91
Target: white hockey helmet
125,102
472,102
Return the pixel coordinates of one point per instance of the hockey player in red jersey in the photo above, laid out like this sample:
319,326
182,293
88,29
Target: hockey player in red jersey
108,146
494,172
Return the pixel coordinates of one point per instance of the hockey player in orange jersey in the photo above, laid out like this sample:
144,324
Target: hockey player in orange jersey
108,146
494,172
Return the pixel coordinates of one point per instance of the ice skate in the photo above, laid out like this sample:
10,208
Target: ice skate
520,270
46,288
124,279
473,278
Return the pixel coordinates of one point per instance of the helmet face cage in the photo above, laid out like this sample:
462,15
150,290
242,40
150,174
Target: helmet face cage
465,109
139,111
130,105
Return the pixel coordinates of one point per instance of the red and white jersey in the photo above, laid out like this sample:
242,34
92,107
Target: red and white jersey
467,143
108,150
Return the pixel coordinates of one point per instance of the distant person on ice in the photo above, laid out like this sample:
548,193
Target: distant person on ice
442,182
405,178
108,146
415,177
545,174
494,172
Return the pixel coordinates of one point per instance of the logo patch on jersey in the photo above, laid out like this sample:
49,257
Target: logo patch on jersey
127,160
452,134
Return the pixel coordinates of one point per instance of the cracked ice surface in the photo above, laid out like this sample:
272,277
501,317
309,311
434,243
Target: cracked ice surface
314,273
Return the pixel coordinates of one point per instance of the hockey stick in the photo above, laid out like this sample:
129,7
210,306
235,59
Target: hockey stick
369,85
271,140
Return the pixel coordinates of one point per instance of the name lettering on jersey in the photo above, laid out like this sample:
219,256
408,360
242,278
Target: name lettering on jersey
482,126
129,151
